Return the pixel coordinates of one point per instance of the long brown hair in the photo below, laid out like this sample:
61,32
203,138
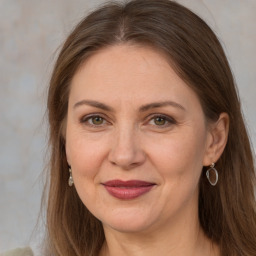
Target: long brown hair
226,211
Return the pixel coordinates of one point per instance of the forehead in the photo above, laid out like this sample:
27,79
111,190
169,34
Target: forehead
125,72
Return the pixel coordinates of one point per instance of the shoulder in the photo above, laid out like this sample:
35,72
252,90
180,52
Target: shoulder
18,252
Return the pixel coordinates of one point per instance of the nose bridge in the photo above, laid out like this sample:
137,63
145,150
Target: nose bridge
126,150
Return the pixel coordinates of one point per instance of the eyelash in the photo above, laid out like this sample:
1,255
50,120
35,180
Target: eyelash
85,120
167,119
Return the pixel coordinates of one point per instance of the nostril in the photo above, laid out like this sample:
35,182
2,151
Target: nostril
126,148
126,159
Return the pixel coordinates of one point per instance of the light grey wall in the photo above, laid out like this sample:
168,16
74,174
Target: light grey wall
30,32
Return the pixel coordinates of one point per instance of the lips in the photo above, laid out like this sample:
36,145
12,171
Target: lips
127,190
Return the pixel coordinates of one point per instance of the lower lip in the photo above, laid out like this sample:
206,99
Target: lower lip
128,193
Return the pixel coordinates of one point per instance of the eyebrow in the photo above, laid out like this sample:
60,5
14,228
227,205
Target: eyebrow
147,107
95,104
143,108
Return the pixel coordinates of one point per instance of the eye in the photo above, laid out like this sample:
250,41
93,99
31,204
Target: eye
161,121
93,120
96,120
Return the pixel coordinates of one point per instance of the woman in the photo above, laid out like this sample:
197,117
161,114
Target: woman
150,154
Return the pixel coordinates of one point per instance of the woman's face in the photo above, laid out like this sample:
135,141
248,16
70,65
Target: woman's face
136,139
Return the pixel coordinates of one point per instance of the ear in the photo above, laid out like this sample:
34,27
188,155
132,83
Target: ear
216,139
67,157
67,154
63,131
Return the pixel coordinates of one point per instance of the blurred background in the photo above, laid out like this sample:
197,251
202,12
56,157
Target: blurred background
31,32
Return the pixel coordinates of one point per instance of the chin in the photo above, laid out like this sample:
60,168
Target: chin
131,222
128,227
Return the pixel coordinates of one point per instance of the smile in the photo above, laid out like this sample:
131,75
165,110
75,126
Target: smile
127,190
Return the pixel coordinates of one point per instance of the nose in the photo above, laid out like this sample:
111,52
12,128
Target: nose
126,151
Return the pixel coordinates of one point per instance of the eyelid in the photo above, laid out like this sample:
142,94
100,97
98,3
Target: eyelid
84,119
168,118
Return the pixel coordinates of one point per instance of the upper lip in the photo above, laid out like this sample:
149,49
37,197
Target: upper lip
128,183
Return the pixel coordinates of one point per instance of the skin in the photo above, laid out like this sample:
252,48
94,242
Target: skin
129,139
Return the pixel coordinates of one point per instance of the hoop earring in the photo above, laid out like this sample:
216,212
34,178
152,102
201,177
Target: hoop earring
70,179
212,175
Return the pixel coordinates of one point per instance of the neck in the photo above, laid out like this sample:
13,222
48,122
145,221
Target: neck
180,237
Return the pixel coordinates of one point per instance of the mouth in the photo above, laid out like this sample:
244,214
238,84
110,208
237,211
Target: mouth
127,190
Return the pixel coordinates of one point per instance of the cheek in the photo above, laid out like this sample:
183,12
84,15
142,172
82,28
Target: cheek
85,157
179,164
180,155
85,153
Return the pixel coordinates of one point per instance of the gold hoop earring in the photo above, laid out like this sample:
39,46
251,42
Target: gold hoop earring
70,179
212,175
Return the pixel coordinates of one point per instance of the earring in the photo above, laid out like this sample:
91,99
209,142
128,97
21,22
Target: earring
212,175
70,179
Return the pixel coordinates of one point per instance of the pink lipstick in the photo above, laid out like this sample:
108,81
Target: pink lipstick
127,190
